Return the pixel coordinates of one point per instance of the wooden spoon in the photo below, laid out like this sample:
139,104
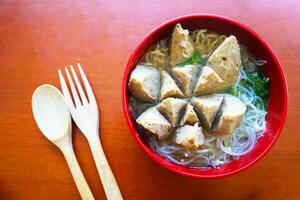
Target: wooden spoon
53,119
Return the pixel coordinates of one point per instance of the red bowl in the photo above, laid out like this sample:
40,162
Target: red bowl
277,110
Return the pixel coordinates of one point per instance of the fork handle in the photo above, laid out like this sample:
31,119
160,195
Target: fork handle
109,182
76,172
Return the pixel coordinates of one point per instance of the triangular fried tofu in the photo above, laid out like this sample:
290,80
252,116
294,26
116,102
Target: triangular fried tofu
144,83
169,87
226,60
181,45
190,137
155,123
207,107
172,109
208,82
232,112
187,77
189,116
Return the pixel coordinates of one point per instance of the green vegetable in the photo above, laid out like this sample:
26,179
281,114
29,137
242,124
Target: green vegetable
195,59
260,84
232,90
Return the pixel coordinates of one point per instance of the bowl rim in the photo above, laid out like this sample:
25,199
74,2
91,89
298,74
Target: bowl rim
172,166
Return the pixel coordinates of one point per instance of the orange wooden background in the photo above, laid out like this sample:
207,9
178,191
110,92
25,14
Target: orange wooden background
38,37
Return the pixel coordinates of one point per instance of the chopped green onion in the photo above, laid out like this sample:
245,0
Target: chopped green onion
232,90
195,59
260,84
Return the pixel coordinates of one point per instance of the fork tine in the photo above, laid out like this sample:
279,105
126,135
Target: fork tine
87,86
73,89
81,92
65,90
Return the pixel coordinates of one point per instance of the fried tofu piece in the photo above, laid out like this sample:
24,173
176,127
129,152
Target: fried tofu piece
226,60
232,112
155,123
187,77
169,87
144,83
207,108
181,45
209,82
172,109
190,137
189,117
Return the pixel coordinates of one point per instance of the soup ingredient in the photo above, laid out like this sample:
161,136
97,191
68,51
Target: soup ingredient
172,109
206,41
190,137
260,84
187,77
257,82
252,125
207,108
209,82
168,87
158,55
155,123
189,116
137,106
144,83
181,47
231,113
196,59
226,61
231,127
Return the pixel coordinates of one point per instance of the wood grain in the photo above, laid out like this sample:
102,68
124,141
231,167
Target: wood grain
39,37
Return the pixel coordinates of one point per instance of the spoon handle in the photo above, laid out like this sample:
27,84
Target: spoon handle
76,172
109,182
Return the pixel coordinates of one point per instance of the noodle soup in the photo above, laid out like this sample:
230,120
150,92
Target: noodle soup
199,98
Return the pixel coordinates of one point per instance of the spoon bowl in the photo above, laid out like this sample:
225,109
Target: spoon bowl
51,113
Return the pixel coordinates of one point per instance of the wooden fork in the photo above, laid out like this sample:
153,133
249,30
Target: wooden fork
84,112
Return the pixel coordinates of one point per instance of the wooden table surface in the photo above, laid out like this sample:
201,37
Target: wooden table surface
39,37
